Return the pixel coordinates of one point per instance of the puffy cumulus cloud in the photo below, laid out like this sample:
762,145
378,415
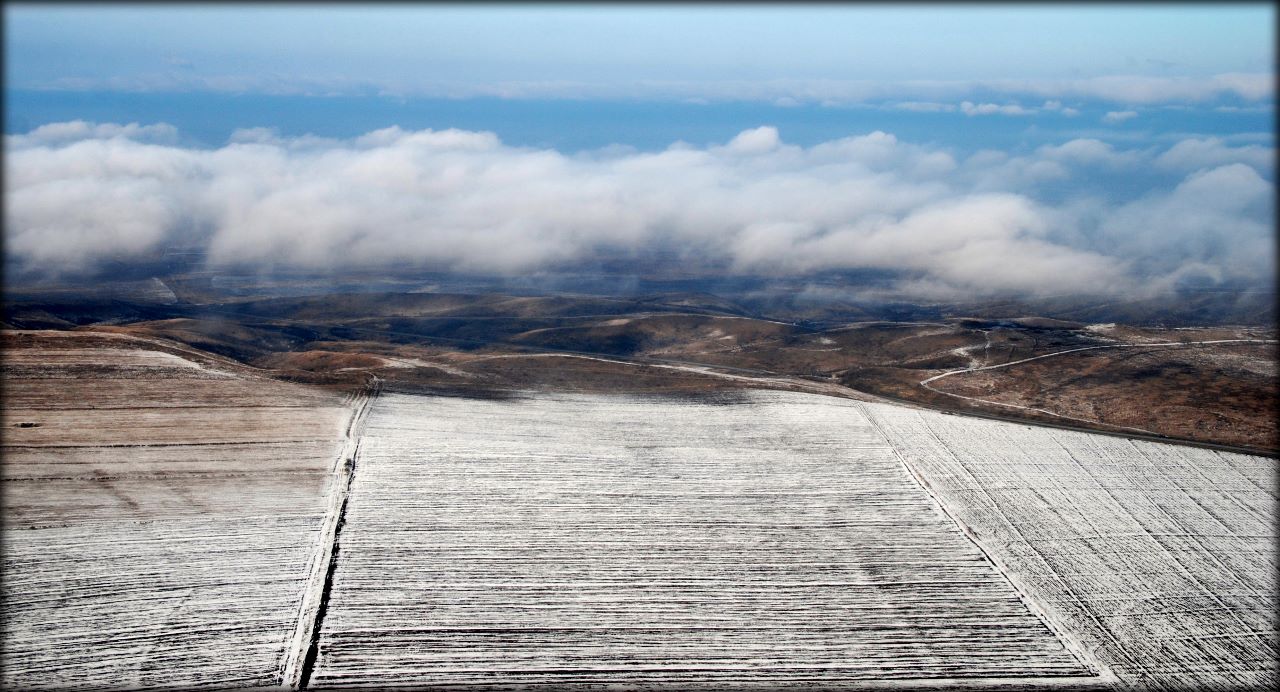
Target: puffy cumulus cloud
991,243
76,130
464,201
989,170
1195,154
755,141
1217,224
1089,152
75,222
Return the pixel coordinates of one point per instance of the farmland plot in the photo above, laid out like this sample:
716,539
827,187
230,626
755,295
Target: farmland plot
155,535
1161,558
598,539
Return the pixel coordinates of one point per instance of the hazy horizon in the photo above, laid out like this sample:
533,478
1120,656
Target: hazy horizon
969,151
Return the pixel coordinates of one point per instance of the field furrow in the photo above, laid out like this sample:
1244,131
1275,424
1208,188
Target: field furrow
1161,558
612,539
156,546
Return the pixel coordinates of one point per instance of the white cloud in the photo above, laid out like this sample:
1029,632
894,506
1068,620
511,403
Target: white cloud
1114,117
971,108
1244,109
464,201
75,222
1143,90
757,141
255,135
1254,87
1057,107
1216,223
923,107
77,130
1089,152
1119,89
1195,154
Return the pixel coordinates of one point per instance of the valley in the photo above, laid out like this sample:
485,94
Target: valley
1213,384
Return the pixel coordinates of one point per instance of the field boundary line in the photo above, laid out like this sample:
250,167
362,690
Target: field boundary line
301,654
1100,673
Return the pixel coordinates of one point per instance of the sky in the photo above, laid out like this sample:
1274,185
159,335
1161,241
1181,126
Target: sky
617,49
976,149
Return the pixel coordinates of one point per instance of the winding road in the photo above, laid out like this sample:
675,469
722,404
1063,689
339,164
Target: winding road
925,382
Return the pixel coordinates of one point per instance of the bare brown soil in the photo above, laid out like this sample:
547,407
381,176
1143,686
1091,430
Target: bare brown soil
491,345
162,494
1211,393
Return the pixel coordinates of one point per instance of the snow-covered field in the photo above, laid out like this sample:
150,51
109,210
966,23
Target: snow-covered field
619,539
168,525
156,534
1160,558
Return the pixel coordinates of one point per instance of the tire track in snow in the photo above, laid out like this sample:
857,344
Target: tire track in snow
302,649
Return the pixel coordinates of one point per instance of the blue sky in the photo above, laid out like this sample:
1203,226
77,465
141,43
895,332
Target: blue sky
425,49
521,70
1108,148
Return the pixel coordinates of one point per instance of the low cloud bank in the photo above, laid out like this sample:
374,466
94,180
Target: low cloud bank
79,194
